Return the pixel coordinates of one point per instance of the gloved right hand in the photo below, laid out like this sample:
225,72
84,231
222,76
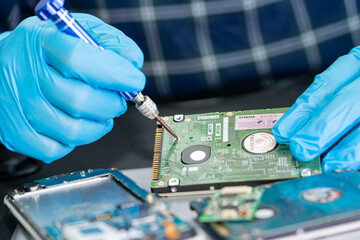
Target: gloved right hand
57,92
326,117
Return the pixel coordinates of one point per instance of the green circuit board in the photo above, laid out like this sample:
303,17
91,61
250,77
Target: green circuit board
221,149
232,204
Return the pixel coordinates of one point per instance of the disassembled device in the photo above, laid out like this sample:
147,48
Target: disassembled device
93,204
232,204
222,149
54,11
317,207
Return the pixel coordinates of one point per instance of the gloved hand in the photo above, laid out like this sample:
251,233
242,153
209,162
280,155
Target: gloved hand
58,92
323,114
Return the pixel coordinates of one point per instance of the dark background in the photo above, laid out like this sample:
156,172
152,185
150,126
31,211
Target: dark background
130,143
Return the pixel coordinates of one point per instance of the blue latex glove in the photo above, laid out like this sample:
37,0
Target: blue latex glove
57,92
323,114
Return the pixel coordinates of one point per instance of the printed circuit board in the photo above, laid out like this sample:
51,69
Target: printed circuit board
221,149
237,203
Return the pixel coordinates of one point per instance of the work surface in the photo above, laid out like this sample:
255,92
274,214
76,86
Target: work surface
181,207
130,143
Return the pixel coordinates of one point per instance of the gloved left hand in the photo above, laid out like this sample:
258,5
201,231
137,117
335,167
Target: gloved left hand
325,113
58,92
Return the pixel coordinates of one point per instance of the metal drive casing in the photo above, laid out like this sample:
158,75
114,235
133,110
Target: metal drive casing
93,204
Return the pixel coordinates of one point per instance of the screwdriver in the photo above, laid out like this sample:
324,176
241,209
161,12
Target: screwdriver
55,11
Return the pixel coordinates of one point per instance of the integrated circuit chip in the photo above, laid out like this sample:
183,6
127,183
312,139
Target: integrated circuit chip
222,149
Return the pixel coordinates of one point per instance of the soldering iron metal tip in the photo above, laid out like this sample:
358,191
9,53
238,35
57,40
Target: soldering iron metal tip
167,128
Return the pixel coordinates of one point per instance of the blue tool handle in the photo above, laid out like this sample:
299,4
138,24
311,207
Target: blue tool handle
54,10
66,23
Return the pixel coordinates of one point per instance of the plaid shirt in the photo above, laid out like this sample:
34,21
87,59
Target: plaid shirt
205,47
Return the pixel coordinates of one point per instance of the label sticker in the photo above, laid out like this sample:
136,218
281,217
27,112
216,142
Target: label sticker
193,169
208,117
225,129
218,129
256,121
210,129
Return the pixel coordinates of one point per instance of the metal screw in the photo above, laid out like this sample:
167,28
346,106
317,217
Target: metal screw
179,118
306,172
173,182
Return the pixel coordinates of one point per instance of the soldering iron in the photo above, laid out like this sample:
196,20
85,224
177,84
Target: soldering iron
55,11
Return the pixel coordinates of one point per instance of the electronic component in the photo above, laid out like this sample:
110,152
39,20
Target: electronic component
232,204
316,207
93,204
259,143
222,149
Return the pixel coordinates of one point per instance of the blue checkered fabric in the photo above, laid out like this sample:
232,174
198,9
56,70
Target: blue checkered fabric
208,47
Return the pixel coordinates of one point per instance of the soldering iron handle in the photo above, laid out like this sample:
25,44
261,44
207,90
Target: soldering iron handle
54,10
